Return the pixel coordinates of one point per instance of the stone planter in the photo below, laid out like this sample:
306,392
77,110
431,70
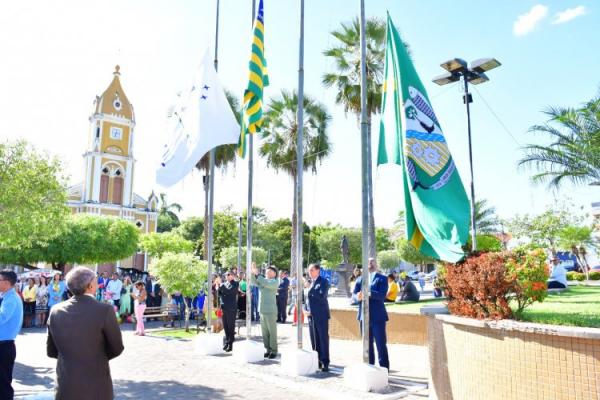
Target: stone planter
505,360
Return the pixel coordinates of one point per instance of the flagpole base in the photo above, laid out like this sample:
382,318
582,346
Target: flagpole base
209,344
299,362
366,377
248,351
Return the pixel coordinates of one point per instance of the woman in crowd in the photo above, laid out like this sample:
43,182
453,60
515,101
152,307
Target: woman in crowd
139,297
56,289
41,301
125,307
29,296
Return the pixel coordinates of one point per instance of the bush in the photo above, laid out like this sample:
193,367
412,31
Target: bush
479,287
595,276
571,275
529,271
579,276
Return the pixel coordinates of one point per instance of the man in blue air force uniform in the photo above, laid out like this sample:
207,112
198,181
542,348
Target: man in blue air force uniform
377,313
317,310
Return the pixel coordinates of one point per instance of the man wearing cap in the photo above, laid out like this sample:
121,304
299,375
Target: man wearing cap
268,307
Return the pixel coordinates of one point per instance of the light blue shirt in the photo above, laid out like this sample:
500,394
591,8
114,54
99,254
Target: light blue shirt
11,315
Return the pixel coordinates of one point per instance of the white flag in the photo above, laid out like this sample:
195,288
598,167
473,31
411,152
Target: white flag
202,121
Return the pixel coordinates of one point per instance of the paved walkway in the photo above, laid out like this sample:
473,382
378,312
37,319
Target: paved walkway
153,367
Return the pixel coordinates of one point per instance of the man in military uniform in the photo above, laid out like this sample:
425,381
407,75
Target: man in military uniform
267,308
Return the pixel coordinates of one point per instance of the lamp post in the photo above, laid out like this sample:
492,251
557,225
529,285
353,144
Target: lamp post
475,74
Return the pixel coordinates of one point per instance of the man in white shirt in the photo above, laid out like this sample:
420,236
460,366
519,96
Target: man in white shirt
558,276
114,286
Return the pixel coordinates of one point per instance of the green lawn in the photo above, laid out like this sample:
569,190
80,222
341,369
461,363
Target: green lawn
577,306
175,333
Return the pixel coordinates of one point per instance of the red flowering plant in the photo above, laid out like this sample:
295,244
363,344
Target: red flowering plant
529,271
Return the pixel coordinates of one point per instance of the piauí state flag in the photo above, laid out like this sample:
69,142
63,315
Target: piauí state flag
437,208
201,121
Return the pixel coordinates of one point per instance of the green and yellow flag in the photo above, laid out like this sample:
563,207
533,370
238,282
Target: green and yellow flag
252,117
437,207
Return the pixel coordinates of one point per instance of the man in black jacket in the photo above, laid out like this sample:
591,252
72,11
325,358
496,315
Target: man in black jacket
282,296
228,292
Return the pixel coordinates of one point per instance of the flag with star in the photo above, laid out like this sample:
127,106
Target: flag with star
201,121
437,209
252,116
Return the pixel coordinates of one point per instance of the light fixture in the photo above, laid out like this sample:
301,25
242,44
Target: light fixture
454,65
446,78
484,64
476,79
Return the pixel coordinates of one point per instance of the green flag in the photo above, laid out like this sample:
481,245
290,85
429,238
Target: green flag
437,207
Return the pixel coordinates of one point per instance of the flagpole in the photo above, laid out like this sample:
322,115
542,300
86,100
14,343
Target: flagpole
300,173
249,215
365,186
211,190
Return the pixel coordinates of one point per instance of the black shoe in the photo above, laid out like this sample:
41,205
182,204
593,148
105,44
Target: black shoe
320,365
267,354
272,356
325,368
225,347
228,349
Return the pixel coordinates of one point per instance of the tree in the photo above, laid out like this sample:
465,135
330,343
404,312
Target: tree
167,218
279,145
486,220
224,157
346,80
383,239
229,256
180,272
276,236
33,197
398,231
329,238
191,229
388,259
485,244
86,239
157,244
574,151
575,239
410,254
225,232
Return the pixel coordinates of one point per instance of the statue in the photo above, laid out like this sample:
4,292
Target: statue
344,249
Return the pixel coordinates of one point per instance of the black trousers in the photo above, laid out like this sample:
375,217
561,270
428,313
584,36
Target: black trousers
281,308
319,337
8,353
229,326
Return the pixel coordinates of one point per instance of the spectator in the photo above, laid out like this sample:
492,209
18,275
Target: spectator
198,305
11,319
422,280
56,289
241,299
82,368
41,301
139,306
409,291
254,300
437,288
558,276
113,290
282,296
102,283
125,302
392,292
29,297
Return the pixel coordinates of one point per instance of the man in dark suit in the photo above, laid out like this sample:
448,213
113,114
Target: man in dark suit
228,292
148,287
83,334
317,310
282,296
377,313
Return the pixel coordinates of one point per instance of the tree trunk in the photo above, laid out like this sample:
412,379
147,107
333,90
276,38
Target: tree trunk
294,226
187,318
372,242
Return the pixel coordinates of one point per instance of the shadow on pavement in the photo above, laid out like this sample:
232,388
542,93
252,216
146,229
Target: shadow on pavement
33,376
168,389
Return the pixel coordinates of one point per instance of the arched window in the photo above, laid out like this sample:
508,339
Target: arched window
104,178
117,195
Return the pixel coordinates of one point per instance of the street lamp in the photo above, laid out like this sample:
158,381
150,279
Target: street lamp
475,74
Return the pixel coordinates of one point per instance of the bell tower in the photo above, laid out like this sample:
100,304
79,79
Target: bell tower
109,161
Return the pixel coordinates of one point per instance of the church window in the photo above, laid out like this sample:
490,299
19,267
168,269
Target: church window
116,133
117,104
97,132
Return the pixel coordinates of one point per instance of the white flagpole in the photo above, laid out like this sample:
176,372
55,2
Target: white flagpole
249,216
300,173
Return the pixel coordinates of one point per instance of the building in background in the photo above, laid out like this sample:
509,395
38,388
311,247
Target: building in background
109,164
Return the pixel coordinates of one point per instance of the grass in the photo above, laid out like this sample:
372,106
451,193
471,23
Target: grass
175,333
577,306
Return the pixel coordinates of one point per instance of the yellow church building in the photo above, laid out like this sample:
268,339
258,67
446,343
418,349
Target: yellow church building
107,188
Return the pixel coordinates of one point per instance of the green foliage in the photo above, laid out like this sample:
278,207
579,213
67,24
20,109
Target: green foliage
572,155
383,239
388,259
180,272
329,238
33,197
595,276
157,244
87,239
277,237
573,235
192,229
225,232
576,276
229,256
530,273
485,243
410,254
167,217
486,220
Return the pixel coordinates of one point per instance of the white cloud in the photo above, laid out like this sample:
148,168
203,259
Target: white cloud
569,14
527,22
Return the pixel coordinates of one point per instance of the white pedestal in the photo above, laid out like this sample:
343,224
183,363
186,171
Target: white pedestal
248,351
366,377
209,344
297,362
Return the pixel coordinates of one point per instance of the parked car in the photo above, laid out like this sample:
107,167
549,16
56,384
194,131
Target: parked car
413,275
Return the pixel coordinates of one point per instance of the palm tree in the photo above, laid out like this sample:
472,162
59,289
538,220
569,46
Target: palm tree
346,80
168,219
279,142
224,156
486,220
574,152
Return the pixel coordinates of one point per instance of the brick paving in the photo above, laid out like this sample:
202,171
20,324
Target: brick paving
153,367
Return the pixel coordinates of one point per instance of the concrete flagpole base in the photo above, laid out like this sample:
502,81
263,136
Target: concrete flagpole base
299,362
248,351
209,344
366,377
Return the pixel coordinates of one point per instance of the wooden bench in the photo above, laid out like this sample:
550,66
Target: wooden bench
160,312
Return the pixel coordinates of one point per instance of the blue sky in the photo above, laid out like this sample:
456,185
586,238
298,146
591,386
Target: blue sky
58,55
